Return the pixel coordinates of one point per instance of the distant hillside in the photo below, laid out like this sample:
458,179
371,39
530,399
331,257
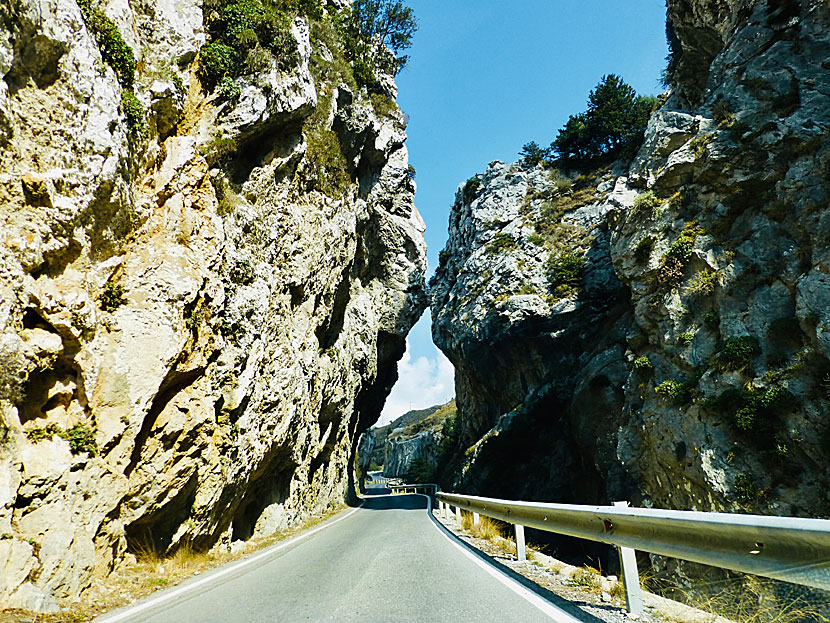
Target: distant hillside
410,423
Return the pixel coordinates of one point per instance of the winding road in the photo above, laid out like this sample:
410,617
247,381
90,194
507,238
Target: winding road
385,561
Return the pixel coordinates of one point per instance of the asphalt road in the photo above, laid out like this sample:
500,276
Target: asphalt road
385,562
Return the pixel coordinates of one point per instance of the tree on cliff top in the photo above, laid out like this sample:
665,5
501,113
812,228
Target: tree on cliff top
370,28
615,119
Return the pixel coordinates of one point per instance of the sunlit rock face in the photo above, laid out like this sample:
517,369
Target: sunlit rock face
688,365
194,332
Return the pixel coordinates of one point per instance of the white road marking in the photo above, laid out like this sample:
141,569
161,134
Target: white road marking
130,612
541,604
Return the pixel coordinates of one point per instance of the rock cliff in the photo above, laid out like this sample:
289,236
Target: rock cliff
657,330
203,294
412,444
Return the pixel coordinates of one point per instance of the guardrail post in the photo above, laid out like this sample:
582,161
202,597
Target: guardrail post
475,518
458,514
521,552
631,577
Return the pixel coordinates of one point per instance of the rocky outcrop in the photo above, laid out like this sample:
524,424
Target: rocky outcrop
655,331
196,323
413,442
401,453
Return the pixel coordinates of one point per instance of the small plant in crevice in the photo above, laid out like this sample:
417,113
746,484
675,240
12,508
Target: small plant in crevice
648,205
686,338
745,489
113,296
643,364
702,283
565,271
737,353
81,437
228,89
586,577
677,257
114,50
682,391
134,113
753,409
500,243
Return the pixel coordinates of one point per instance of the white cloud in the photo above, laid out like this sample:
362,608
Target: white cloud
422,383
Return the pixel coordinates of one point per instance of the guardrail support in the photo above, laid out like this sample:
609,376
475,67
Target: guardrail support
458,514
521,553
631,576
476,518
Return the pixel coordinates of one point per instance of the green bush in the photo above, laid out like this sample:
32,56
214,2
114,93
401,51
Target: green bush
686,338
216,61
500,243
114,50
81,437
420,471
737,353
327,170
752,409
471,189
678,255
648,203
112,297
642,364
228,89
134,112
367,28
565,272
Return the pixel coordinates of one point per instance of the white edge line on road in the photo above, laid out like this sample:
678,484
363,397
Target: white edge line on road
215,576
546,607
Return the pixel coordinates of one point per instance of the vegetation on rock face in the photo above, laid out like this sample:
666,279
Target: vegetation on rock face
117,54
501,243
615,119
114,50
565,273
81,437
678,255
240,29
369,29
113,296
471,189
246,36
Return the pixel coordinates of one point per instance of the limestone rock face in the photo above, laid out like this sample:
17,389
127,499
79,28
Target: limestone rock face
194,328
687,364
401,453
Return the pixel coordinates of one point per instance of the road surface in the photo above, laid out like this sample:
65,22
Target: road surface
385,562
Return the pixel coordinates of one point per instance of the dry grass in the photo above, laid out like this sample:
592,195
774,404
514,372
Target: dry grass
587,578
486,528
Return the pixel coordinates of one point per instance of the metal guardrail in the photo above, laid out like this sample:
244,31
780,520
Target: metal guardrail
429,488
783,548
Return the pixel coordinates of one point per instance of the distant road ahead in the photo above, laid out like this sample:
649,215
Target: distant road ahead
385,562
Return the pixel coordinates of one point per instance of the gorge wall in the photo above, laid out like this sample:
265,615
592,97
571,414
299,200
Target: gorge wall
203,295
659,330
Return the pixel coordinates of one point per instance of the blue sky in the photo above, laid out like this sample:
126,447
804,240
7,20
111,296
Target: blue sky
484,78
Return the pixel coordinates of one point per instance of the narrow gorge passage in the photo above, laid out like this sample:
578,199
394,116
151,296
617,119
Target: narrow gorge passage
386,562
